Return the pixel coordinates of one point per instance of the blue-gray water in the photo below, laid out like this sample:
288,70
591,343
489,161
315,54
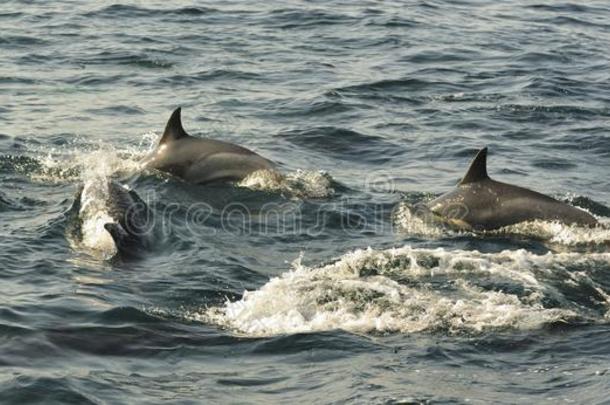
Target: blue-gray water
390,100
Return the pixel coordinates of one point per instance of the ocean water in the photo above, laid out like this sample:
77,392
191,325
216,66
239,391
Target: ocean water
318,285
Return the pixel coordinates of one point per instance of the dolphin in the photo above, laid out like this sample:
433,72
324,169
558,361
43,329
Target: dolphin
199,160
131,224
480,203
132,229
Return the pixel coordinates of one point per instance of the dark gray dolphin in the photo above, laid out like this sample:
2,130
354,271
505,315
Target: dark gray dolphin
132,226
481,204
199,160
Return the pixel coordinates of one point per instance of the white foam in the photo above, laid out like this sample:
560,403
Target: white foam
561,234
298,184
408,290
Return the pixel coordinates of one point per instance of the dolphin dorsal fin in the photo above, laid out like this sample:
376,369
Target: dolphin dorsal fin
173,129
478,168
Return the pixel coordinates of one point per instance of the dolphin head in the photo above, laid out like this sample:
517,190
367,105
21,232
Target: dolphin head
132,229
128,244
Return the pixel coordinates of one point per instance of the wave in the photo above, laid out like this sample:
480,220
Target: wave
410,290
537,113
95,79
567,8
209,75
570,20
128,58
5,203
302,18
21,41
402,85
557,86
19,204
594,140
118,110
306,108
344,143
128,11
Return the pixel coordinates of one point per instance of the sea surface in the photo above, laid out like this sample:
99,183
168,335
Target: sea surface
316,286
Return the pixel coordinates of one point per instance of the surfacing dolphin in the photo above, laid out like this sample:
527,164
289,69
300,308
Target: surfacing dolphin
199,160
130,220
482,204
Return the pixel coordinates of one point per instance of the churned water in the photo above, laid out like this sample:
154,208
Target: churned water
316,285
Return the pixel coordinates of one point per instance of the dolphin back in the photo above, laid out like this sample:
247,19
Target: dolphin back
200,160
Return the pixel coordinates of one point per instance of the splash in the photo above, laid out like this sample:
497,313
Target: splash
410,290
561,234
74,162
299,184
93,215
